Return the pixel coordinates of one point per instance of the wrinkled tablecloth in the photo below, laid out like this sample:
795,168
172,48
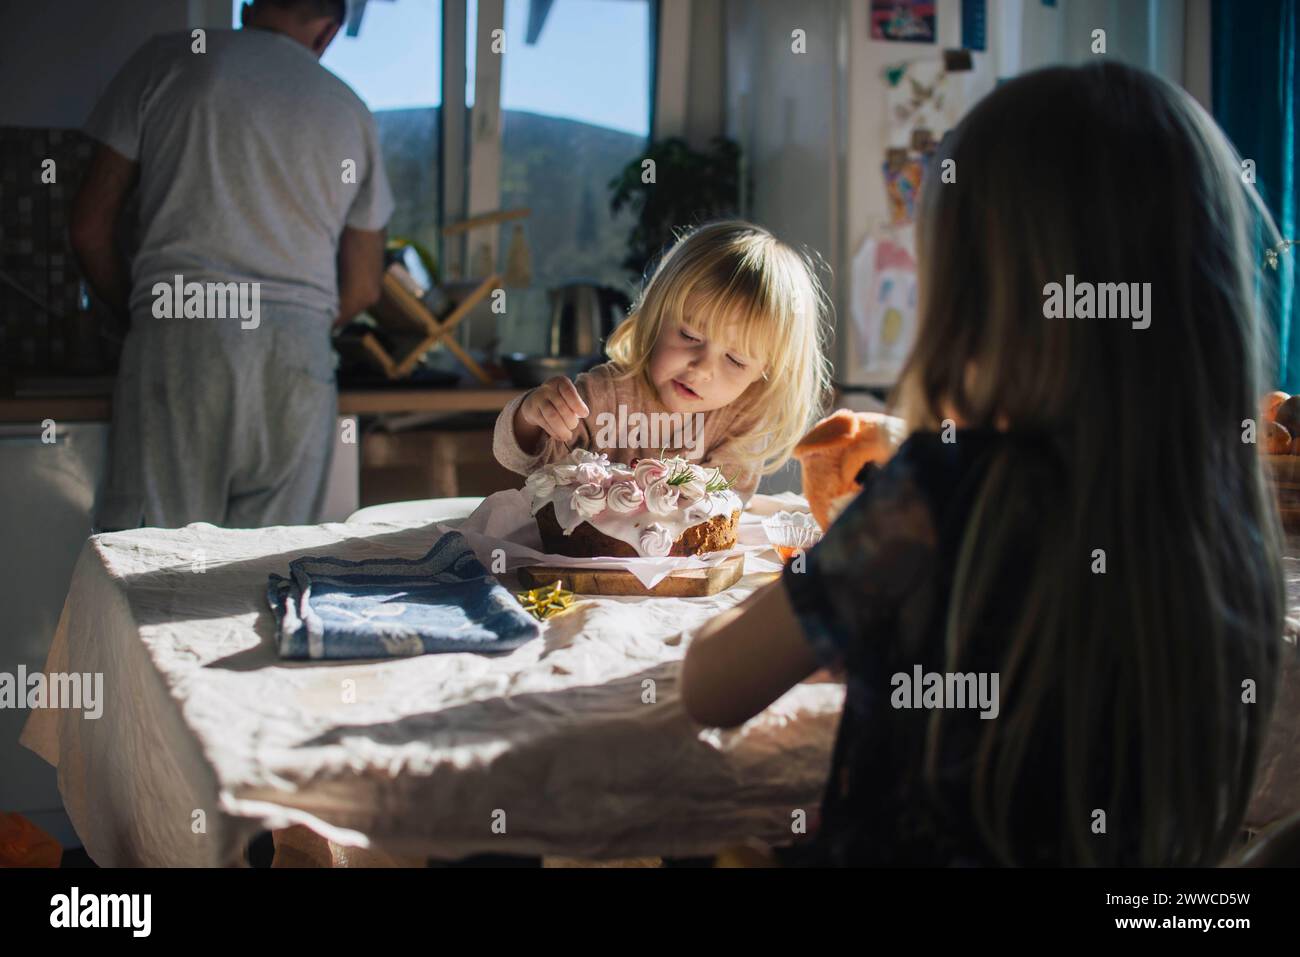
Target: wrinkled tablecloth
574,744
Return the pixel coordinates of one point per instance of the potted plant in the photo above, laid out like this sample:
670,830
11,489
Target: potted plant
683,187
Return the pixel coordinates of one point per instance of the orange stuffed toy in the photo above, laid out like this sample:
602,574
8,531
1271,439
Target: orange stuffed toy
832,454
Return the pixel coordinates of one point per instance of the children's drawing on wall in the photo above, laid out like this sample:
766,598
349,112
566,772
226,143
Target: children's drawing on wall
915,97
904,169
883,307
908,21
914,102
883,284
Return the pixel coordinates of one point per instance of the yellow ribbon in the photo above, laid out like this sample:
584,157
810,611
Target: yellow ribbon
542,603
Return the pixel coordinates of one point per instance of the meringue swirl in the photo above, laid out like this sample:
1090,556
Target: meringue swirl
592,473
656,540
661,498
588,500
649,471
625,497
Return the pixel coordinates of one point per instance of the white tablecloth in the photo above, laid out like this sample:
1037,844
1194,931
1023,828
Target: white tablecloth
207,738
575,744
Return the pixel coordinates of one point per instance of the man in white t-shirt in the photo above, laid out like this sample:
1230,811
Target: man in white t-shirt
262,206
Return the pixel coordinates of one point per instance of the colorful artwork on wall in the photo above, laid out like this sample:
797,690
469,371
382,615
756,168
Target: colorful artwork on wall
906,21
883,302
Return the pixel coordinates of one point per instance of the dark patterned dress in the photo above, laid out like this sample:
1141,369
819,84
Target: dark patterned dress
873,601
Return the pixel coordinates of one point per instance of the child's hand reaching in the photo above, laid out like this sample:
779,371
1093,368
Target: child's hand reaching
555,407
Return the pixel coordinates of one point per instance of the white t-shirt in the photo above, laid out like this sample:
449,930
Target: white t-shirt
244,153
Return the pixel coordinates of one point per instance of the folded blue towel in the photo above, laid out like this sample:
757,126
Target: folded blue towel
390,607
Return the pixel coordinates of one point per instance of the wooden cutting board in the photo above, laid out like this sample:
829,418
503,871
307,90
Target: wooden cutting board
686,583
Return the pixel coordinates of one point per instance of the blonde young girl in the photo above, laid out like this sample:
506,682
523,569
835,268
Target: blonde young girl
728,331
1099,537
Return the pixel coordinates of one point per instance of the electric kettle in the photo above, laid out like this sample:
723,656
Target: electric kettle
583,314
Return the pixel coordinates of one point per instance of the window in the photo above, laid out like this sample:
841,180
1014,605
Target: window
575,109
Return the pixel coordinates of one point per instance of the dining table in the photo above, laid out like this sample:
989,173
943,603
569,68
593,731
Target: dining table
574,745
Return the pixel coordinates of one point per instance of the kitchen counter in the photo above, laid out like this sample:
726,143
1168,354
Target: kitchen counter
98,408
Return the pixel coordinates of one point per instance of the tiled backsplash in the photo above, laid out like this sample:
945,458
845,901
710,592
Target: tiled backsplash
35,252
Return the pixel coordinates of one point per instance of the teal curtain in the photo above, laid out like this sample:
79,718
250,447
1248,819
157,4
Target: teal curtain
1254,81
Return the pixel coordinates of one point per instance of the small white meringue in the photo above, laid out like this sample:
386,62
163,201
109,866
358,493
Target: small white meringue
661,498
588,500
649,471
625,497
656,540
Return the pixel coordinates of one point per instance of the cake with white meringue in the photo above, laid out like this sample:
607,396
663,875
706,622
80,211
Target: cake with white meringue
589,507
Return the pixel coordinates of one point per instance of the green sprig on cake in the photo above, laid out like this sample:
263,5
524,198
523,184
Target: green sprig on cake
682,472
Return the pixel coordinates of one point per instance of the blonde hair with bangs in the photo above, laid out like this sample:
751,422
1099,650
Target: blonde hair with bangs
767,295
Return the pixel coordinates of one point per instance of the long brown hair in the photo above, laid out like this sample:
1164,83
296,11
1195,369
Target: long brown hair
1110,175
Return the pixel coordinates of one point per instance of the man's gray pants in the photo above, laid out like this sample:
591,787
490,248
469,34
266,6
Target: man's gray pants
216,423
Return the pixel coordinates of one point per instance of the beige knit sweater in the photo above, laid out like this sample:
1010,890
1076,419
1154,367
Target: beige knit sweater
714,442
